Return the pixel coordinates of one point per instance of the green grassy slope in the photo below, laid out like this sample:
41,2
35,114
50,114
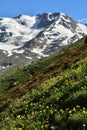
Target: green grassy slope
51,93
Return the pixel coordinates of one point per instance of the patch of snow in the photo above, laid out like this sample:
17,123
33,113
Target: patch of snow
8,48
28,57
38,57
18,51
62,14
5,52
4,67
67,20
52,18
37,50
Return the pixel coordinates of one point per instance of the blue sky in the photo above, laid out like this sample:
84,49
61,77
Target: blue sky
77,9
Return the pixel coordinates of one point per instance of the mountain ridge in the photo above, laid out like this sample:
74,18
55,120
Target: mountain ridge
27,38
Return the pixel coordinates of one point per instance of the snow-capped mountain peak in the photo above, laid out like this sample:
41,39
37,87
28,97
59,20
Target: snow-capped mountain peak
36,36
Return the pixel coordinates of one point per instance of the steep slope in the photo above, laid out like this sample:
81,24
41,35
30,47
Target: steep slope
51,93
24,39
44,68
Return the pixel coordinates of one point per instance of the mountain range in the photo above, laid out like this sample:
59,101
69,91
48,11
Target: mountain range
24,39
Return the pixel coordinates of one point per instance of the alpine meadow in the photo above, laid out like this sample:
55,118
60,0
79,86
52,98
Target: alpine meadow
50,93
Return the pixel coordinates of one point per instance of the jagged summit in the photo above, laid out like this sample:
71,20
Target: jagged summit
26,38
46,19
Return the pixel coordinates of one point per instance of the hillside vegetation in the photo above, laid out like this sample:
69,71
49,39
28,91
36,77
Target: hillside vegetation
49,94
